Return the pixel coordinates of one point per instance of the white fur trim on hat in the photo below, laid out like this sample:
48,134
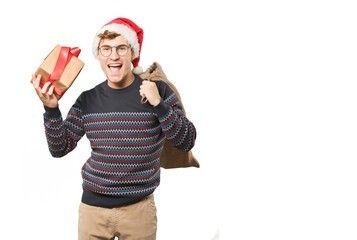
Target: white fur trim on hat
128,33
138,70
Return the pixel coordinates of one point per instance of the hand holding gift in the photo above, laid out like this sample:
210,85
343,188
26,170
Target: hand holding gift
45,93
56,74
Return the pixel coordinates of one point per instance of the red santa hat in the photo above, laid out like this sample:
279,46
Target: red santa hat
130,31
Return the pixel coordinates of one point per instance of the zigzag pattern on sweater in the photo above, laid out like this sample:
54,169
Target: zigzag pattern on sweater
126,152
176,131
126,146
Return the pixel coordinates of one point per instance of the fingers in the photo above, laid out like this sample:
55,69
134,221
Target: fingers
36,80
45,88
149,91
147,85
141,91
50,92
46,93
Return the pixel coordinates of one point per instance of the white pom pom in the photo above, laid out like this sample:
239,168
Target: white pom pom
138,70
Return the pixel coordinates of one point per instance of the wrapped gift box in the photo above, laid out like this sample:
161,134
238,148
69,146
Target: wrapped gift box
64,61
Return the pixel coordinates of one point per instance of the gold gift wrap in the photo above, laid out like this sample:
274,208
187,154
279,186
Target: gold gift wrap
70,72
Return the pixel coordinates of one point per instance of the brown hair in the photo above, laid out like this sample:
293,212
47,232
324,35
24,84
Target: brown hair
107,35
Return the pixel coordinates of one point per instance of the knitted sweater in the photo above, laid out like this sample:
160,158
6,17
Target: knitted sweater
126,138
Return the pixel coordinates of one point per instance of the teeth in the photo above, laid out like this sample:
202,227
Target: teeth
114,65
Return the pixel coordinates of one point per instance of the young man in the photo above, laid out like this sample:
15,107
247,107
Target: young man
126,137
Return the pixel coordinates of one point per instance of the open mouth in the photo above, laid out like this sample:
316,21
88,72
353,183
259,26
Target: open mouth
115,67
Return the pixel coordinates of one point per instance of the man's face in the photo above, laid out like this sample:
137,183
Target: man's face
117,68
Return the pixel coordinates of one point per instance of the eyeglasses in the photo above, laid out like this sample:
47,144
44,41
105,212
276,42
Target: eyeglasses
106,50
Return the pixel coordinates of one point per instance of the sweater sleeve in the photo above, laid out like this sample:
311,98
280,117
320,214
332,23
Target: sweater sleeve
62,136
178,130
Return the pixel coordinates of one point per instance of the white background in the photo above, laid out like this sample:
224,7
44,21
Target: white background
270,86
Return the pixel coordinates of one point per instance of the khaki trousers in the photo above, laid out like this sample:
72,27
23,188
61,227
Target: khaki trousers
137,221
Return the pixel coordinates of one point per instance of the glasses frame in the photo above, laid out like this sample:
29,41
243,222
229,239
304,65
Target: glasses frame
111,49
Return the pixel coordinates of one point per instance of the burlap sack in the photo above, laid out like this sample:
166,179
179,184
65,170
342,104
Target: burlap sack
171,157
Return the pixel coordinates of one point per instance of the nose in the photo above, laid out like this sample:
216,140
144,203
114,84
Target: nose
114,55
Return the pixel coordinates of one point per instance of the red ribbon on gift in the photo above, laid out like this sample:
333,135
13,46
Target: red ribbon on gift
65,55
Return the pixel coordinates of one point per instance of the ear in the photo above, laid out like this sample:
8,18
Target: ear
132,55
